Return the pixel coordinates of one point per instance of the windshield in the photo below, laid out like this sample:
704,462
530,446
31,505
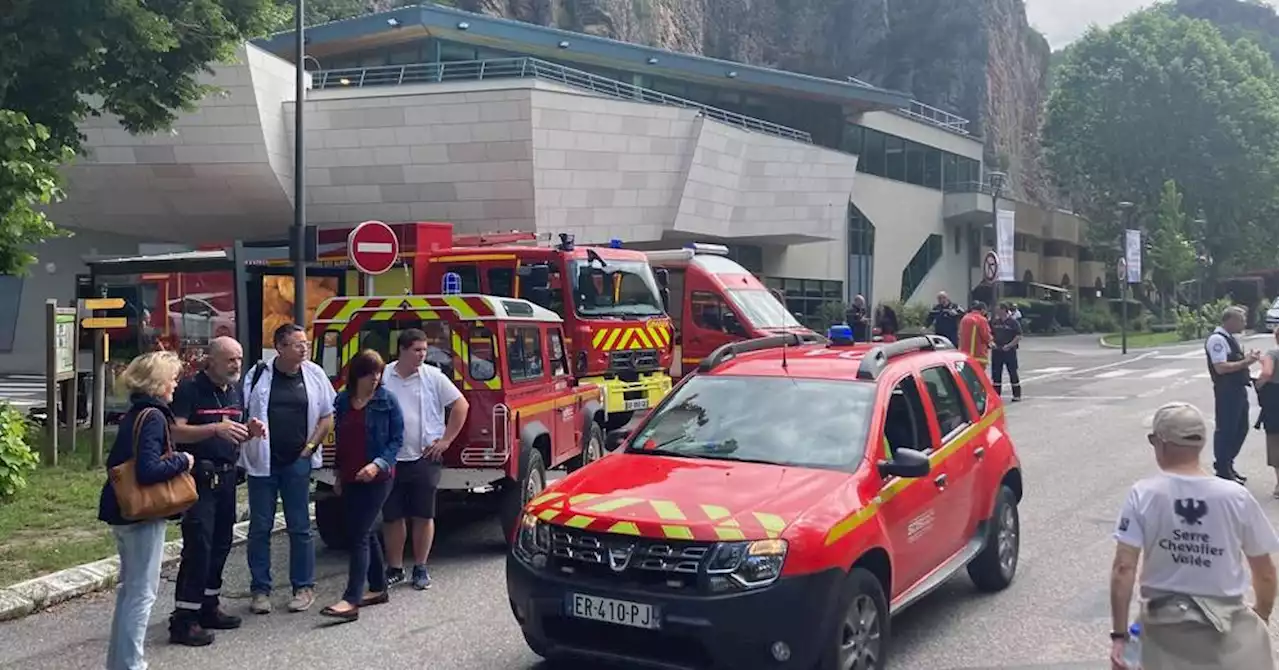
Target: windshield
780,420
761,309
619,288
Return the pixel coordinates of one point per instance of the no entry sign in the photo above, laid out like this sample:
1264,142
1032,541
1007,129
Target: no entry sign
372,247
990,267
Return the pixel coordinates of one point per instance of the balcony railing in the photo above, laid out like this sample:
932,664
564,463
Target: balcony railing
928,114
982,187
527,68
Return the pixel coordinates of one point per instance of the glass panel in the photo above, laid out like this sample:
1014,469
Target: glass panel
762,309
948,404
559,365
950,170
923,261
895,156
622,288
915,164
933,168
501,281
482,354
977,390
873,148
469,275
851,142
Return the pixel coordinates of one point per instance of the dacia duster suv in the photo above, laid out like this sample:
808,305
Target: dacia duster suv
775,510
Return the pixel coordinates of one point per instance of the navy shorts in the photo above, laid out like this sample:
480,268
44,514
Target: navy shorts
413,495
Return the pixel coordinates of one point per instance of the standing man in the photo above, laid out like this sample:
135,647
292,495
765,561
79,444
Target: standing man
426,397
856,317
945,318
1229,370
294,398
975,333
1006,333
208,415
1192,534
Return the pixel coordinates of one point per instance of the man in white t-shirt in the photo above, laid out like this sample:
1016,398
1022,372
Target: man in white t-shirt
1193,533
424,394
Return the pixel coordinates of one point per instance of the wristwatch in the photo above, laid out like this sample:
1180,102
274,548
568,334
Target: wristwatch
1119,637
310,448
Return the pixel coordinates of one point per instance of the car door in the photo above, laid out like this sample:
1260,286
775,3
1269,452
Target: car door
951,421
982,403
567,438
708,323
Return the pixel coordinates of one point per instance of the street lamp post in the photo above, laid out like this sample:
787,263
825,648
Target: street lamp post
299,172
1126,209
996,178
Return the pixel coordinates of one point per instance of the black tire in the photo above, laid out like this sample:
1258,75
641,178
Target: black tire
618,420
331,519
533,479
993,569
860,634
592,448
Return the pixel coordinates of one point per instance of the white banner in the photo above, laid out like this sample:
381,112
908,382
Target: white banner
1133,255
1004,244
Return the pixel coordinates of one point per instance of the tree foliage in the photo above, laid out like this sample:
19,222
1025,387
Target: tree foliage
1158,98
1170,255
64,60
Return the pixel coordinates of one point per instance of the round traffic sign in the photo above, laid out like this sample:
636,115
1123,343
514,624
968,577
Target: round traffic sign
373,248
990,266
1122,269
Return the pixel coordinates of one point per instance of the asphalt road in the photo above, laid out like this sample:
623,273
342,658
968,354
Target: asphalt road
1081,436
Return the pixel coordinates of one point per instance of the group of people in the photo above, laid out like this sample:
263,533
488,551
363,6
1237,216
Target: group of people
1230,371
393,424
991,339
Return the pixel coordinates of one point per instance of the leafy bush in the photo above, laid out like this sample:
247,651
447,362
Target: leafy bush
828,313
1096,321
1197,322
17,459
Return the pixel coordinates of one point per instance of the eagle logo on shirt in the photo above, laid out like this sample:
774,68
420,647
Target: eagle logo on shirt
1191,510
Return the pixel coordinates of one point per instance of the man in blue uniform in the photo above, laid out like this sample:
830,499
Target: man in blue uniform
1006,333
1229,369
945,318
208,417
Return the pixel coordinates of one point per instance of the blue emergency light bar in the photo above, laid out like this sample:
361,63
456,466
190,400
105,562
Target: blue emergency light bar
701,248
452,284
840,334
615,243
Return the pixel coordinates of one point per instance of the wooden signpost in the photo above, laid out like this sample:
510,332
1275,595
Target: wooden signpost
101,352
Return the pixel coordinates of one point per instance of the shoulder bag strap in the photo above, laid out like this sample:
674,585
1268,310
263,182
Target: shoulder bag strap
137,428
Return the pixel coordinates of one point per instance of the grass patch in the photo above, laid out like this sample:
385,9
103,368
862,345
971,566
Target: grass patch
1144,340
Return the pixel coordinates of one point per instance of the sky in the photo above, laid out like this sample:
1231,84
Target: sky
1062,21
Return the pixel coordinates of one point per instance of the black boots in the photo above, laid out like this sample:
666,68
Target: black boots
192,629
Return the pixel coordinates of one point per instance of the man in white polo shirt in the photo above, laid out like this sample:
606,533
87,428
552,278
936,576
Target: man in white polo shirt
1193,534
424,393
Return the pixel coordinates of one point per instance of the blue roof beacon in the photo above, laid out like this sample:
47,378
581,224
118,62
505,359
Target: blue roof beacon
840,334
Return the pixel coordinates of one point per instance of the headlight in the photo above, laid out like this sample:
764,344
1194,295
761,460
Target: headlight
747,564
533,538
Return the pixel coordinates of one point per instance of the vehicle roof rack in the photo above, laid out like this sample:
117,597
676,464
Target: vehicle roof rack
726,352
874,361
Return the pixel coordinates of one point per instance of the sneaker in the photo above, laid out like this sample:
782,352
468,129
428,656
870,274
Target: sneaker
189,633
302,601
421,579
216,619
261,604
395,576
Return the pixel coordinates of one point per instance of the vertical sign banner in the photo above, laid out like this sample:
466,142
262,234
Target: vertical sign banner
1133,255
1004,244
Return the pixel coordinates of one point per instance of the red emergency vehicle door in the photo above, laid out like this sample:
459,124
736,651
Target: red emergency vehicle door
565,435
952,454
707,323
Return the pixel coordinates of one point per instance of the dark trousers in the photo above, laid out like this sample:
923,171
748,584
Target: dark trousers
952,334
1231,414
363,505
1005,360
206,539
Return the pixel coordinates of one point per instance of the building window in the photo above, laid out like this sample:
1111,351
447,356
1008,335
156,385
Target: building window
895,158
749,256
918,268
915,163
806,297
862,247
933,168
872,159
885,155
851,141
950,171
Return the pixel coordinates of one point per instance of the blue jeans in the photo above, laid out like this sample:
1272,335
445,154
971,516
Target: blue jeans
363,504
141,549
292,485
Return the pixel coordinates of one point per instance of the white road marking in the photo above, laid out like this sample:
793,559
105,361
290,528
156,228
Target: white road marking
1090,398
1048,370
1114,374
1161,374
1085,370
375,247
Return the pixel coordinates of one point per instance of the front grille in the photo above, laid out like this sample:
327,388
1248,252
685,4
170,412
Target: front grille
642,359
665,565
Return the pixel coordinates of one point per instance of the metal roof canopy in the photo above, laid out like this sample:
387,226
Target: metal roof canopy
410,23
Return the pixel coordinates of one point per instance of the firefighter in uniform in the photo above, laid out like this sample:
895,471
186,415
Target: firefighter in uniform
975,333
1229,370
208,423
1006,333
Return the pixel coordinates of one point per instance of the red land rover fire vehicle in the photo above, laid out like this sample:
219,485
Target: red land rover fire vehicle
715,301
775,510
508,357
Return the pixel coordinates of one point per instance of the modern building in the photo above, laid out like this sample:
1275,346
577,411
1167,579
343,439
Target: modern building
824,188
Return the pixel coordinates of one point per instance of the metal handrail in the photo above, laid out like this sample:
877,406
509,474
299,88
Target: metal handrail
938,117
982,187
526,67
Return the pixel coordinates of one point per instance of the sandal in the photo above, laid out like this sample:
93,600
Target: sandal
376,599
344,615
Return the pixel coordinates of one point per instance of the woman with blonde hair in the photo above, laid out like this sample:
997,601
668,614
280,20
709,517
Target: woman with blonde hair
144,434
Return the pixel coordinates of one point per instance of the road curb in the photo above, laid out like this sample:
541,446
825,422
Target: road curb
26,598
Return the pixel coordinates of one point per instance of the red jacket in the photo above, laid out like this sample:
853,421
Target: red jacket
975,336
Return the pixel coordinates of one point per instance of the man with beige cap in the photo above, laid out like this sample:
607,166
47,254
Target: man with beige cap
1193,533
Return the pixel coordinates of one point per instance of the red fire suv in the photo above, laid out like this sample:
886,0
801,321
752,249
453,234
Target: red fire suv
775,510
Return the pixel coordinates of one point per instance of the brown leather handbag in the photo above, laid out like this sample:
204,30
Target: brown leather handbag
140,502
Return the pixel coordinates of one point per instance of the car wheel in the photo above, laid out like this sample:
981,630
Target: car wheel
862,629
994,567
533,479
592,448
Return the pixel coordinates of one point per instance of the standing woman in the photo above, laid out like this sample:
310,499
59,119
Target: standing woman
370,431
887,323
144,431
1268,387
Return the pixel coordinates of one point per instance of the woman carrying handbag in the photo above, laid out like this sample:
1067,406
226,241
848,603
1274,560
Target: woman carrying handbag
147,482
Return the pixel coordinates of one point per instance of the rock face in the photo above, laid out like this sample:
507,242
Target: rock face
975,58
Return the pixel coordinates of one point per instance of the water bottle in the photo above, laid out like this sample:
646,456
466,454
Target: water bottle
1133,648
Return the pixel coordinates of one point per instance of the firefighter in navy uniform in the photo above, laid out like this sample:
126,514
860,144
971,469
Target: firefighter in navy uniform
1006,333
1229,370
208,423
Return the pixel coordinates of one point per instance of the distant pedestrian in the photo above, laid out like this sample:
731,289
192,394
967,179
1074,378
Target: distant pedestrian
209,424
294,398
857,318
1006,334
887,323
370,431
144,435
1192,534
975,334
1229,370
1268,389
945,318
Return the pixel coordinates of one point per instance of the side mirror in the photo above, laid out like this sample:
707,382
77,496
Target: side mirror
614,439
906,463
663,277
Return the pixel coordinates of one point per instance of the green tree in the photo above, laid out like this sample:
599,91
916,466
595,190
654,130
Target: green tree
64,60
1169,252
1158,97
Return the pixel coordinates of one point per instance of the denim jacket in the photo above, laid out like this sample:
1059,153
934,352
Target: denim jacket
384,422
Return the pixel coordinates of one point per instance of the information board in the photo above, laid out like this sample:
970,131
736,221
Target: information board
64,341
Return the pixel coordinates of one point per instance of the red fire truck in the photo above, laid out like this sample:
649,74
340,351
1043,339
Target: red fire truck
715,301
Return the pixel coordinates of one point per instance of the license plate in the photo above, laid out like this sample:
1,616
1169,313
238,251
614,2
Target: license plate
640,403
608,610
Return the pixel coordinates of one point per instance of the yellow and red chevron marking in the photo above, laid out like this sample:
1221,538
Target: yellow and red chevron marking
636,516
654,335
466,307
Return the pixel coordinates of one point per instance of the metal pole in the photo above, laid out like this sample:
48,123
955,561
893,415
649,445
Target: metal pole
299,173
995,230
51,380
1124,314
99,394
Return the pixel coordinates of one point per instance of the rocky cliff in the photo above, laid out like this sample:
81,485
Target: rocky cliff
976,58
